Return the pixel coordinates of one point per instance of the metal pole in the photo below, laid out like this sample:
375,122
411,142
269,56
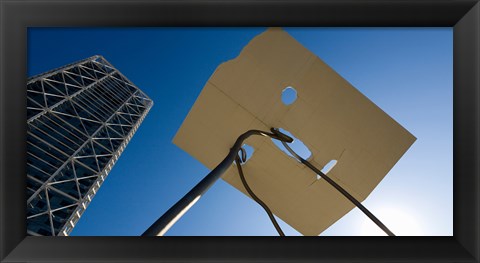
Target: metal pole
167,220
342,191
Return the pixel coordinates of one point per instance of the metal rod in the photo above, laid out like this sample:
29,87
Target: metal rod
238,162
341,190
167,220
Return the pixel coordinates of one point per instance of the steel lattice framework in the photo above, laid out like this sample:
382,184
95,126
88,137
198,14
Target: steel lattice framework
80,118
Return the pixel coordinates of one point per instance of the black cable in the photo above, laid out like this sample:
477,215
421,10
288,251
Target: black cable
250,192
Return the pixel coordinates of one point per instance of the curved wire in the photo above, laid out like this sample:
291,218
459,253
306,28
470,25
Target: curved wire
340,189
238,162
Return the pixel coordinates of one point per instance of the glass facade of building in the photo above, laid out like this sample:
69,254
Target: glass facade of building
80,118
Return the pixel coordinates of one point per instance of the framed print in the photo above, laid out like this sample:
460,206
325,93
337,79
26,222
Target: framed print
18,17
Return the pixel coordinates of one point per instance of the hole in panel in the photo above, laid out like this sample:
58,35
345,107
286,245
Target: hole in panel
297,146
249,149
289,95
327,168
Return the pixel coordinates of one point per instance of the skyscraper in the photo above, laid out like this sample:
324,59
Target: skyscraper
80,118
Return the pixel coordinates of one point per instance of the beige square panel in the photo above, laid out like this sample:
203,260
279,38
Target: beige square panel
332,118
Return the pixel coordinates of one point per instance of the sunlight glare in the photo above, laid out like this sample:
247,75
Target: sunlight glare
398,221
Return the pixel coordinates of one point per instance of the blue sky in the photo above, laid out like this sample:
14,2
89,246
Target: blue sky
405,71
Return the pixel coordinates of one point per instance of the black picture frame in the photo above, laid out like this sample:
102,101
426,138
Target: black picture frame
17,16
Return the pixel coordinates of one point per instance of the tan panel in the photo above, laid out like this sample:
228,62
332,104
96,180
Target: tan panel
330,116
